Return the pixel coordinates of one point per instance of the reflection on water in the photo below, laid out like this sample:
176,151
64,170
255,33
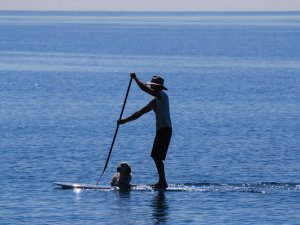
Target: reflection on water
160,208
77,192
124,194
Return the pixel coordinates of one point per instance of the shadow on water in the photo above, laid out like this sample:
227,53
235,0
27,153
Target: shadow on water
160,208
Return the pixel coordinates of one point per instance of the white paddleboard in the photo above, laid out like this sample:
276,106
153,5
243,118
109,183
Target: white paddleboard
67,185
142,187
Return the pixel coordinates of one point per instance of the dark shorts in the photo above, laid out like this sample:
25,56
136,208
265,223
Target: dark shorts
161,143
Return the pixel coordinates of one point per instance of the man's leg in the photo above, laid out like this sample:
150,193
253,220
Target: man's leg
162,183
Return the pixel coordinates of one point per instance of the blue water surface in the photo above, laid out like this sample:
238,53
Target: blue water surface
233,81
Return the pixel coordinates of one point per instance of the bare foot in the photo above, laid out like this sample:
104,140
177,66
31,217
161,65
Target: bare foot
160,185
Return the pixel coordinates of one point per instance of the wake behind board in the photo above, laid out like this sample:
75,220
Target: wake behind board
67,185
266,187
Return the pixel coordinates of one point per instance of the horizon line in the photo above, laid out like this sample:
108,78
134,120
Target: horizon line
144,11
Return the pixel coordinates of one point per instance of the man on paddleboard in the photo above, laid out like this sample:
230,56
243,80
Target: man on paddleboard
160,105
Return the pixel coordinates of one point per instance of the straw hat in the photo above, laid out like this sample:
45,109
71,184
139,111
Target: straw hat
157,81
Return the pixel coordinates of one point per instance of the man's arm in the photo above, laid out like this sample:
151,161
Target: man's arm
144,87
137,114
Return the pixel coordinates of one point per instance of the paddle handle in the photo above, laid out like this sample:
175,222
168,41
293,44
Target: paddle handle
117,128
125,100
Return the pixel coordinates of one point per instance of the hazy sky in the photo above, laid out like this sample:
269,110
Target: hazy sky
152,5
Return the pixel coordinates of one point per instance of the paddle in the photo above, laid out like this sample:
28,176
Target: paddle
112,144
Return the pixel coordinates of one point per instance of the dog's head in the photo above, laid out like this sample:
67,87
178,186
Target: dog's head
124,168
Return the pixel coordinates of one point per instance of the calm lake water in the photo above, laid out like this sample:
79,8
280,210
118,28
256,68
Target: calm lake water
233,82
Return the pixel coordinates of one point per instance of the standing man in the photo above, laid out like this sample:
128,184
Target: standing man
160,105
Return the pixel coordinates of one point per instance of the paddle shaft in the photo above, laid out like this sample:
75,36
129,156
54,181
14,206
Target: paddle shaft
117,128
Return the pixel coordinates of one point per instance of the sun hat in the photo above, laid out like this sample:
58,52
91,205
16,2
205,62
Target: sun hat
157,81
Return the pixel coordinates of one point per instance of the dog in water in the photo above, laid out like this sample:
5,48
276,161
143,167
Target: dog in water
123,177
